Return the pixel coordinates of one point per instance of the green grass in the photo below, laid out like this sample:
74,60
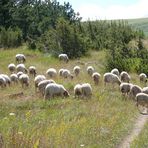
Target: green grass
100,121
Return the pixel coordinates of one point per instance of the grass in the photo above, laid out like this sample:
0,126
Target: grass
100,121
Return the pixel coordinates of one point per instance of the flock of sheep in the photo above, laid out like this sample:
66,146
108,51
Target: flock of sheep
48,88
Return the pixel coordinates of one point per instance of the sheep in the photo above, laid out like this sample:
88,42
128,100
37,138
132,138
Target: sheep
20,58
125,88
76,70
51,72
145,90
115,71
32,71
90,70
38,79
66,74
14,78
96,77
19,73
12,67
125,77
111,78
24,80
78,90
2,82
135,89
22,68
43,84
7,79
60,71
63,57
143,77
54,89
86,90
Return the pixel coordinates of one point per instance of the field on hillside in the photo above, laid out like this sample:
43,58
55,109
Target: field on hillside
100,121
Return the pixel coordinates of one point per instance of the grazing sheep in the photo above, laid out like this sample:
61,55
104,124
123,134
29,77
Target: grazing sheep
51,72
90,70
76,70
125,88
2,82
66,74
111,78
32,71
135,89
96,77
22,68
145,90
43,84
86,90
115,71
7,79
78,90
143,77
20,58
38,79
24,80
19,73
14,78
125,77
64,57
60,71
54,89
11,67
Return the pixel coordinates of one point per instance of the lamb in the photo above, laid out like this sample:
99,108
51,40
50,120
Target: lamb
76,70
125,88
145,90
51,72
7,79
38,79
14,78
86,90
22,68
11,67
24,80
90,70
20,58
135,89
2,82
143,77
32,71
96,77
125,77
111,78
115,71
78,90
54,89
64,57
43,84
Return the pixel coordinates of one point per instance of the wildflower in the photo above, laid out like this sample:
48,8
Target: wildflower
12,114
82,145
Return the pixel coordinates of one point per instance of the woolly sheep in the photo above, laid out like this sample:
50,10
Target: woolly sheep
51,72
54,89
11,67
38,79
64,57
14,78
60,71
22,68
145,90
96,77
135,89
43,84
77,90
90,70
115,71
32,71
142,77
66,74
86,90
125,77
2,82
76,70
24,80
19,73
7,79
20,58
111,78
125,88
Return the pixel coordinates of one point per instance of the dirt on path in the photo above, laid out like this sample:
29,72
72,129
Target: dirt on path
137,128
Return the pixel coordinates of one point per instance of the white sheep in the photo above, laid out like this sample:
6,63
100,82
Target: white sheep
145,90
96,77
7,79
22,68
24,80
125,77
143,77
115,71
90,70
111,78
51,72
66,74
76,70
135,89
125,88
12,67
60,71
78,90
14,78
2,82
54,89
86,90
20,58
19,73
32,71
38,79
43,84
63,57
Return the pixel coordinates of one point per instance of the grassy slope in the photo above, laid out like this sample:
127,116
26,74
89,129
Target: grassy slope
101,121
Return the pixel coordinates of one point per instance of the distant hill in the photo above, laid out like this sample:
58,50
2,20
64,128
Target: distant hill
141,23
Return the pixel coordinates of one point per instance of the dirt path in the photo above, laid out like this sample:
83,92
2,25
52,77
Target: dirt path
138,126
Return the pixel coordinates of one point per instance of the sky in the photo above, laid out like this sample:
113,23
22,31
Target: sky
109,9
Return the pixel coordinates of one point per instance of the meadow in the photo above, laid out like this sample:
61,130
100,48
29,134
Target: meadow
28,121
